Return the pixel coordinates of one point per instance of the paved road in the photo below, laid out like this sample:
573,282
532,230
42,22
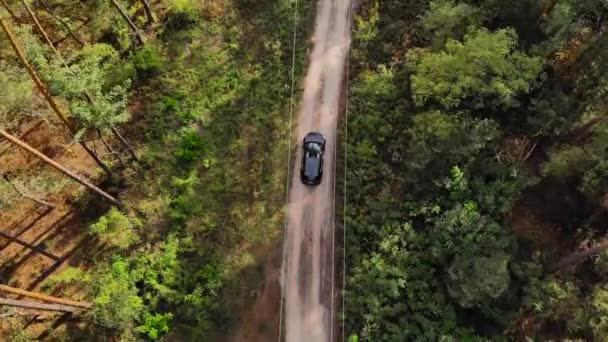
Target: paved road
309,259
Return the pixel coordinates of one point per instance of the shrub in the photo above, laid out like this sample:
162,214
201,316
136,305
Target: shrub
181,19
116,229
148,61
68,276
155,324
190,146
595,182
117,304
567,162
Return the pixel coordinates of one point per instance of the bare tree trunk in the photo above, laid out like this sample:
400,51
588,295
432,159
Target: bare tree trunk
581,133
39,84
38,306
108,147
98,160
116,133
45,92
546,12
8,9
30,197
148,11
530,151
32,316
84,21
56,165
577,257
125,143
39,27
44,297
63,23
125,16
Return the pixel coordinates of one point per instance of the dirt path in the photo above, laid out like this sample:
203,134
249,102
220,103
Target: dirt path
309,261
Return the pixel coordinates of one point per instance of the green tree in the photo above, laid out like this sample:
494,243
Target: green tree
88,81
598,312
583,164
595,182
438,141
474,280
393,291
593,12
551,298
485,71
448,20
157,268
567,162
116,303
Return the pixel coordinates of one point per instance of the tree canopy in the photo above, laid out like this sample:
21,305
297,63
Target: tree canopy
484,71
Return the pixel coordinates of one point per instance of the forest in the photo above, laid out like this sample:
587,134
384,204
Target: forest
476,171
143,146
166,121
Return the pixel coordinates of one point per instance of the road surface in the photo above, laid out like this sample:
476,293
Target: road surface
309,261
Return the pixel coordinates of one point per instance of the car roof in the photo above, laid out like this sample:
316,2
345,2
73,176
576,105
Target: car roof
311,167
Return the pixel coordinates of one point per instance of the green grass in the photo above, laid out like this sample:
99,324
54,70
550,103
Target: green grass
216,123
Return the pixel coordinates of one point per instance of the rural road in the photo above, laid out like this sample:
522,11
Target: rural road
308,277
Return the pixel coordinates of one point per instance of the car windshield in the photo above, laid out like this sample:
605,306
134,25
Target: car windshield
314,147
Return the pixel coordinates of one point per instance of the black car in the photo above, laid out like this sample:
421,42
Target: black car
311,170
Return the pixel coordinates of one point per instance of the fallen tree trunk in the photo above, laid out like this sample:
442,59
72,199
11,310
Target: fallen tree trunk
46,93
546,12
63,23
125,143
43,297
57,166
39,27
148,11
126,17
10,11
38,306
577,257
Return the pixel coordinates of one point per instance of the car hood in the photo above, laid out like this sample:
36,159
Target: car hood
314,137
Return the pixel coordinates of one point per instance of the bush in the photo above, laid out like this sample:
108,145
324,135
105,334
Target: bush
183,206
182,19
148,61
116,229
598,313
119,74
155,324
567,162
7,195
117,304
70,275
190,147
595,181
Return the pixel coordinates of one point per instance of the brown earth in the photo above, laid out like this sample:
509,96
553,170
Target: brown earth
56,234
